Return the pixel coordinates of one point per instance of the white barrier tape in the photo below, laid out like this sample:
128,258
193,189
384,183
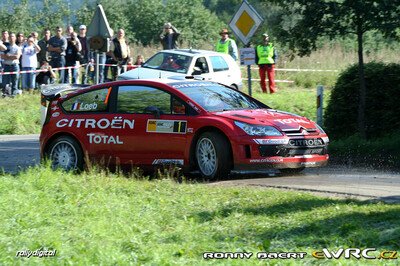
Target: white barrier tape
38,70
277,80
298,69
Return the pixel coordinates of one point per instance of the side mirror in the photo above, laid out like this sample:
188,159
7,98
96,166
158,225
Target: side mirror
196,71
153,110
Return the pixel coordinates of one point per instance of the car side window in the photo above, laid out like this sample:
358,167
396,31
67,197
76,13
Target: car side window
140,99
91,101
201,63
218,63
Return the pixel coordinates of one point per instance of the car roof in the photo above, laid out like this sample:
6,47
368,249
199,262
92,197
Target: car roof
191,52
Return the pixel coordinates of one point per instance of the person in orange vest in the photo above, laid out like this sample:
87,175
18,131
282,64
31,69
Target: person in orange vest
266,57
227,45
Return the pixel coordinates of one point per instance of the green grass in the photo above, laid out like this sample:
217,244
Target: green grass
112,220
20,115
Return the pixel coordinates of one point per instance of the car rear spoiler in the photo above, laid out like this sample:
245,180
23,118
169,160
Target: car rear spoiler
52,91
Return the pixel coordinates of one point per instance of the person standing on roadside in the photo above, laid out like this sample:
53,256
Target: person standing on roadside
11,64
29,63
43,55
71,57
119,52
169,37
266,57
227,45
84,54
57,47
6,43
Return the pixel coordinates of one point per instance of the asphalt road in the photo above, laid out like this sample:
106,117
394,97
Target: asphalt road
21,151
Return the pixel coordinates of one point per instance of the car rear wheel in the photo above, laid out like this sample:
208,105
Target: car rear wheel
65,153
213,156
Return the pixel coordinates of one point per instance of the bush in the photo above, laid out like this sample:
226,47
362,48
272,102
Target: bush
382,95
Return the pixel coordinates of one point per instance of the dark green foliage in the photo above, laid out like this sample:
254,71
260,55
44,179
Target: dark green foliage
382,96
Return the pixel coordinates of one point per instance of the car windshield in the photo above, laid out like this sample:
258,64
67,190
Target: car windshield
169,62
215,97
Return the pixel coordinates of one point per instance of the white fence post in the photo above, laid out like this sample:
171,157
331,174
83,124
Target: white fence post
320,103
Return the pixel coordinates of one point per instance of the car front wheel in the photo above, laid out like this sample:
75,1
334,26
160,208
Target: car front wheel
65,153
213,156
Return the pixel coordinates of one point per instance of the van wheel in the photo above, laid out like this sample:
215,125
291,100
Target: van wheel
213,156
65,153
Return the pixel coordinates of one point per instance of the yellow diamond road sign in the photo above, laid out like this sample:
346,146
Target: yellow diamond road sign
245,22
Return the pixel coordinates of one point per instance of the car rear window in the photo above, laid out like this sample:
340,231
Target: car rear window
91,101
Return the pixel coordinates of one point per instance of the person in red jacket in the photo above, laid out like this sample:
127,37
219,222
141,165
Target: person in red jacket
266,57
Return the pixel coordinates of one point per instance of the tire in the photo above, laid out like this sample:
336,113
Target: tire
65,153
291,171
213,156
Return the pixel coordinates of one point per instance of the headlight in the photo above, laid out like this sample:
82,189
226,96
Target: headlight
254,130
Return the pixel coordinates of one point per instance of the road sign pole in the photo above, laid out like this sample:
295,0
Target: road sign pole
249,78
320,99
97,66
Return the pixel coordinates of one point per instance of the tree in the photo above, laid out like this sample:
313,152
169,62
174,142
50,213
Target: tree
303,22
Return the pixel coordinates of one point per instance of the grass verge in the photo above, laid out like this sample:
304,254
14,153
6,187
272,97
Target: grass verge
95,218
20,115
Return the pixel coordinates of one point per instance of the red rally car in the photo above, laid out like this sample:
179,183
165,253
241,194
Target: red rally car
197,125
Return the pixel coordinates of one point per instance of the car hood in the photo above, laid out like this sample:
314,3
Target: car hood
269,117
147,73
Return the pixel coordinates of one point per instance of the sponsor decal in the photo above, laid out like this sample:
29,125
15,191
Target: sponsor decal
292,120
54,108
117,123
55,114
190,130
305,142
271,141
168,161
166,126
193,106
267,160
103,139
54,103
325,139
80,106
308,163
190,85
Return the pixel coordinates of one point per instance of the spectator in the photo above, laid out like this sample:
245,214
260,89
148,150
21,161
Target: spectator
35,36
130,65
57,46
227,45
6,43
84,54
68,32
71,57
11,64
45,77
169,37
266,57
119,52
29,63
139,60
43,55
20,39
